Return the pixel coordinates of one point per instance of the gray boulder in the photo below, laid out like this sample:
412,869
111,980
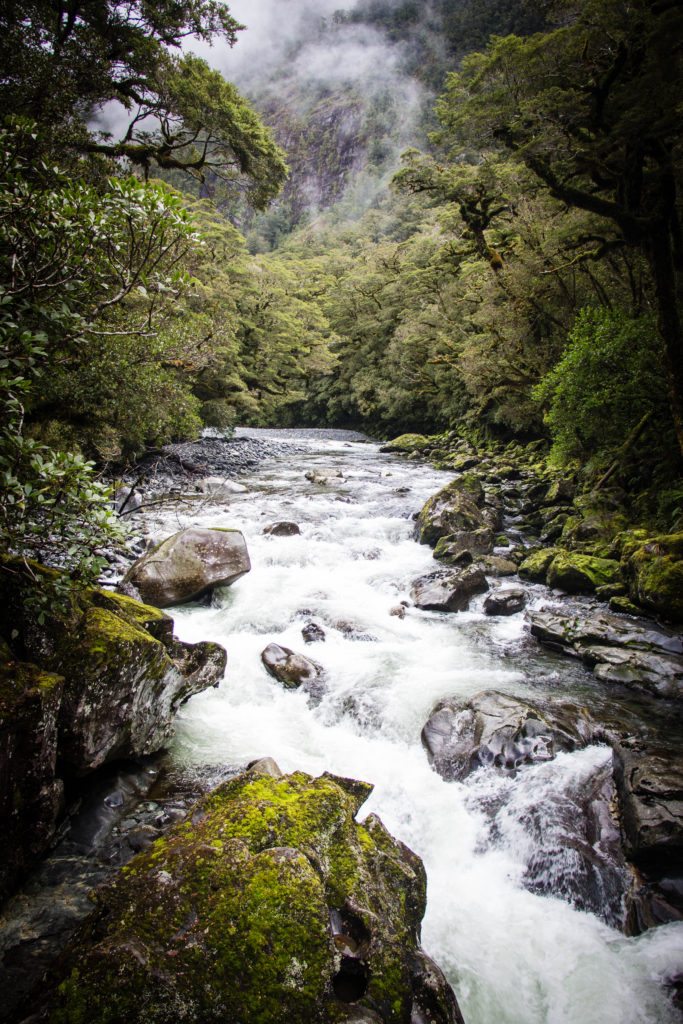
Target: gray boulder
456,508
189,564
493,729
505,601
289,668
449,592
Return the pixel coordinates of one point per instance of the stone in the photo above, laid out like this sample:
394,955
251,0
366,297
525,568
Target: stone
505,601
654,570
459,548
283,529
31,794
407,444
188,565
451,510
313,633
270,900
650,784
619,651
495,730
494,565
535,566
450,592
581,574
289,668
323,477
221,487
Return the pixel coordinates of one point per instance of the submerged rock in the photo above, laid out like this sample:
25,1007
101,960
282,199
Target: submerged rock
496,730
271,905
450,592
283,529
313,633
289,668
189,564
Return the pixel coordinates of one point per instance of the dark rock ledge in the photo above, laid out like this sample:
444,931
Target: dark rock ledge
99,684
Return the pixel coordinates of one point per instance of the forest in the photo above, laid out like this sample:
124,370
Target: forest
518,275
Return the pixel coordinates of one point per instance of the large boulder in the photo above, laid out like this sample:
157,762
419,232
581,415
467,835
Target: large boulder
408,443
496,730
655,574
535,566
448,592
270,905
289,668
618,650
505,601
31,794
459,548
189,564
454,509
582,574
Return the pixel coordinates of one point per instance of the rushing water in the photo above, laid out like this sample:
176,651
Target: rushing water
513,956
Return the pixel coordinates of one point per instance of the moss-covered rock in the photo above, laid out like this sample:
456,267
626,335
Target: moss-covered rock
408,443
535,566
189,564
654,570
30,794
271,905
582,574
452,510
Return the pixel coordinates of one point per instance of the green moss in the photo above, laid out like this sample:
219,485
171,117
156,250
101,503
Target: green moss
655,571
227,917
577,573
22,682
535,566
408,443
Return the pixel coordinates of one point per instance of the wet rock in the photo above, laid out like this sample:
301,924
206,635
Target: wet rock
289,668
408,444
313,633
655,574
265,766
189,564
494,565
535,566
450,592
581,574
455,508
650,783
505,601
283,529
323,477
127,500
31,794
619,651
498,731
271,901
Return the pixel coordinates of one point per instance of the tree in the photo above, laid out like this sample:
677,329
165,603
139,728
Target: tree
593,110
62,61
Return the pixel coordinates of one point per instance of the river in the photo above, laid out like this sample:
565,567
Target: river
513,956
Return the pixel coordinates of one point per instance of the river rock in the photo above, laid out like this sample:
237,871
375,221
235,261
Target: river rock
450,592
272,901
289,668
535,566
313,633
221,487
495,565
323,477
283,529
189,564
581,574
459,548
654,569
454,509
505,601
408,444
493,729
618,650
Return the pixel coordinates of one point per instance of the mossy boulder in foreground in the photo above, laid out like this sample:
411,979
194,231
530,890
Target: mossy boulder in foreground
655,572
270,905
581,574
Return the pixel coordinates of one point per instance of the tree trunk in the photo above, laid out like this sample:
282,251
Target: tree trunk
669,323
